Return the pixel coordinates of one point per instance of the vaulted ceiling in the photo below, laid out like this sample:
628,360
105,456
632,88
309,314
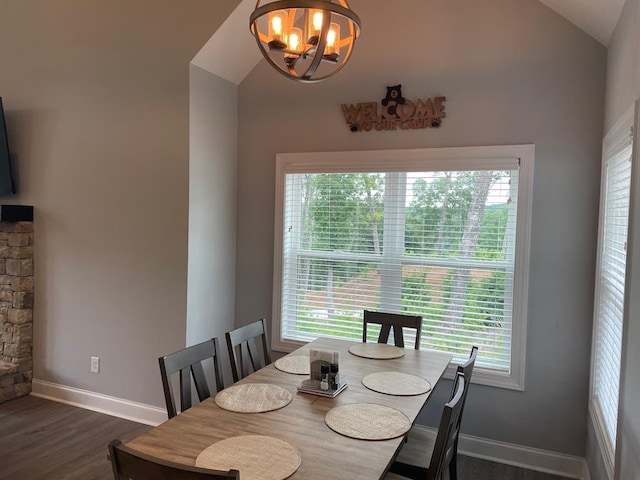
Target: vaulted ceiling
596,17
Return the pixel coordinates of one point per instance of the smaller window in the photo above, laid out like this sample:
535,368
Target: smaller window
609,309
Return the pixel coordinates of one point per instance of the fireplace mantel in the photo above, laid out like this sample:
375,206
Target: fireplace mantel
16,213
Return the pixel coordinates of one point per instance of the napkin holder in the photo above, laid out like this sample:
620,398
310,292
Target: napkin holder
317,359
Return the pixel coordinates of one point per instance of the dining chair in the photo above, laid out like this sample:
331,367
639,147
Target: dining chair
467,370
188,362
395,321
129,464
418,439
443,450
243,350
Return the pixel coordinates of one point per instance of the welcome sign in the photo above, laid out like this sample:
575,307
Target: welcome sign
394,112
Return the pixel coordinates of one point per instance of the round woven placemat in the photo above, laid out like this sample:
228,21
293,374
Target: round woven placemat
253,398
367,421
257,457
297,364
396,383
378,351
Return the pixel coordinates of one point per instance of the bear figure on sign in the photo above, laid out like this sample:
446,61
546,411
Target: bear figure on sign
391,101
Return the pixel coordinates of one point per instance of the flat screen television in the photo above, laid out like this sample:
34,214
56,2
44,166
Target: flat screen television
6,177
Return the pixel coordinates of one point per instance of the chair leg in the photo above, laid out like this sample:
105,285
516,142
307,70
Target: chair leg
453,468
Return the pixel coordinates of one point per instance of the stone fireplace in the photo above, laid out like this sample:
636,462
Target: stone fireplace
16,308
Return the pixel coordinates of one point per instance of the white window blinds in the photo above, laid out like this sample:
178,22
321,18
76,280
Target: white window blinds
610,284
440,243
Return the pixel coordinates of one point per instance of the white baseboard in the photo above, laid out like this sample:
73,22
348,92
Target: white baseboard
519,456
117,407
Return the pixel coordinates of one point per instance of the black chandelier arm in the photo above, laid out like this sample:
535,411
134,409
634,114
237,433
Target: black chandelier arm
268,58
319,79
292,74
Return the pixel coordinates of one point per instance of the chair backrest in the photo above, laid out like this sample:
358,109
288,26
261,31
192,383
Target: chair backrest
395,321
243,350
444,448
188,362
467,370
129,464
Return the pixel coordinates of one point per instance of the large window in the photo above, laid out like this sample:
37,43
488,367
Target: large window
609,309
441,233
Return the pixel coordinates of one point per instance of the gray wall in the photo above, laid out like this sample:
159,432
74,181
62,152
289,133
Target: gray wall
97,102
623,88
213,150
513,72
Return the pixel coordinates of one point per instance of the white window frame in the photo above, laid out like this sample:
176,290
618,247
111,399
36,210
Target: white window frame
455,158
621,135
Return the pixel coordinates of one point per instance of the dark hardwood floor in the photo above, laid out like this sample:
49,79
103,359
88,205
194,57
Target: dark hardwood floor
41,439
468,468
477,469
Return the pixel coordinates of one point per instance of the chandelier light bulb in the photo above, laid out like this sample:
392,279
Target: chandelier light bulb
277,26
317,20
294,39
277,21
315,26
332,50
294,47
331,38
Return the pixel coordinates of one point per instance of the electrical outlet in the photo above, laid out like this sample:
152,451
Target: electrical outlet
95,364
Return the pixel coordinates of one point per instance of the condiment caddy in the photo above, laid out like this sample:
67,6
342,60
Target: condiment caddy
325,379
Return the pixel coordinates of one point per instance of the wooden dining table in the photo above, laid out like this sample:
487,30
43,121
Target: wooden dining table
325,454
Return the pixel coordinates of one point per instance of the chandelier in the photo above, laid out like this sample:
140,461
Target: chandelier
305,40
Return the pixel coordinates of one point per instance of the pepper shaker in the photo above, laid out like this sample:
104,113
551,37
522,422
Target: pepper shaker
324,379
334,376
